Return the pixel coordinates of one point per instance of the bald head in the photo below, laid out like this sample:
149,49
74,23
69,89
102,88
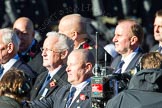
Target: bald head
79,66
24,21
73,22
23,26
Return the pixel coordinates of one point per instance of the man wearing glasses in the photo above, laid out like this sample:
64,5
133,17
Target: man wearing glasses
55,50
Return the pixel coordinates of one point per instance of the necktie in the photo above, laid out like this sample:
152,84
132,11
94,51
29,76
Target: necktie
119,68
160,49
1,70
70,97
45,83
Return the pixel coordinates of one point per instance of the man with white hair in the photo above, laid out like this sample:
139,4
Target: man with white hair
9,47
55,50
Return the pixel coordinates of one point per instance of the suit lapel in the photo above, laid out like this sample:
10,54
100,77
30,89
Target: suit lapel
57,78
83,96
37,86
65,96
134,61
131,65
116,62
154,48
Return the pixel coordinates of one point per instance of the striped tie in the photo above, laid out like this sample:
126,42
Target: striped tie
160,49
1,70
119,68
45,83
70,97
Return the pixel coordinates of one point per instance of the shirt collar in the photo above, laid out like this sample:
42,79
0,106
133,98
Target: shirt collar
128,59
52,73
33,42
10,63
82,85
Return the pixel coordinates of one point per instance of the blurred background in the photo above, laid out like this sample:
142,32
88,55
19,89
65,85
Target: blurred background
103,15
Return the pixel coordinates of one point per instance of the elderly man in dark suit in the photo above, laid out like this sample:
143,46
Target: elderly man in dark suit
79,69
9,46
55,50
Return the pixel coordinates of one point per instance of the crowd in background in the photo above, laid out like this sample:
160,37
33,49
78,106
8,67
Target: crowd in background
46,14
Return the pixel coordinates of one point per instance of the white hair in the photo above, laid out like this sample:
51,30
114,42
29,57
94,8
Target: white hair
64,41
8,35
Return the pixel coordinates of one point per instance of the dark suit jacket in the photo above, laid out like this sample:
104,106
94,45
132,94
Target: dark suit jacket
31,53
58,100
23,66
27,70
60,77
131,65
154,48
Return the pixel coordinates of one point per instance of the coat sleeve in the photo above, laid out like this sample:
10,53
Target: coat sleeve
44,103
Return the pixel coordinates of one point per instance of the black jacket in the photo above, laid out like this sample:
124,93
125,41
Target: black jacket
60,77
31,53
144,91
59,99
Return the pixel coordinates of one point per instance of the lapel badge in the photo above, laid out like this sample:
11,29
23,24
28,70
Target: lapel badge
82,97
53,83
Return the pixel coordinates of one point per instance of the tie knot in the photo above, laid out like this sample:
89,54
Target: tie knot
160,49
48,77
1,69
121,64
119,67
72,91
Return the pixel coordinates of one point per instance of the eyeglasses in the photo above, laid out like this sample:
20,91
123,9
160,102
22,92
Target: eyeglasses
46,49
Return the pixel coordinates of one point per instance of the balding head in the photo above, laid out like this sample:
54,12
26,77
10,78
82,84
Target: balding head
75,27
23,26
24,21
79,66
73,23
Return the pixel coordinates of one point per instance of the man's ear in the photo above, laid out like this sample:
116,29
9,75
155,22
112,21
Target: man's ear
10,47
133,40
64,54
88,66
74,35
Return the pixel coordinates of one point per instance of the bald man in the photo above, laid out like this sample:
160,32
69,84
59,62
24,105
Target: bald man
29,46
76,27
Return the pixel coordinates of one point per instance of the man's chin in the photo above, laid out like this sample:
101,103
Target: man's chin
69,80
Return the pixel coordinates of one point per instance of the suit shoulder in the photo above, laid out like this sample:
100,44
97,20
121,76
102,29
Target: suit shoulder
154,48
24,67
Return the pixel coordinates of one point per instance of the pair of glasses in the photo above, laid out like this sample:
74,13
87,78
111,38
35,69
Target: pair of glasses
47,49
